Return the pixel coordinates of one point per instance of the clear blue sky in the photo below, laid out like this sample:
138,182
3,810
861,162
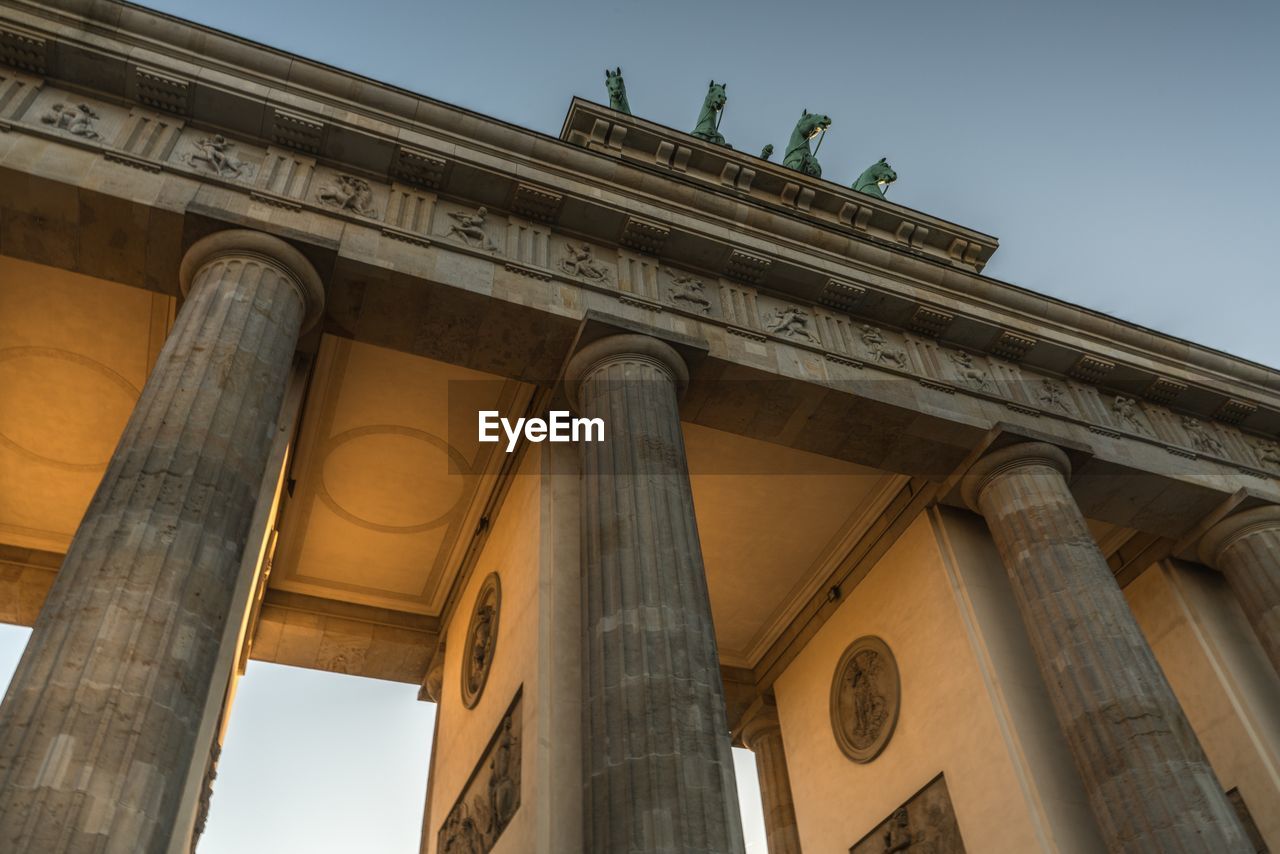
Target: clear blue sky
1127,155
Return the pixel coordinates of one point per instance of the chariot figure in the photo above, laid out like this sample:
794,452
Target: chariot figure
708,126
876,178
800,156
617,90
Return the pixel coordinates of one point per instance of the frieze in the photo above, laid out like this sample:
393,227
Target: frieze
925,823
579,261
470,227
216,155
348,194
687,291
491,797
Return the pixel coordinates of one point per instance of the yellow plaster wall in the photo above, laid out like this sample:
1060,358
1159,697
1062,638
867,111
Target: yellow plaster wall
966,700
1222,677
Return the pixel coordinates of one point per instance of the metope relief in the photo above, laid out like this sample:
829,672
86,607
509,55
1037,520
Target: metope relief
925,823
1129,416
347,193
217,155
879,351
968,371
792,322
579,260
470,228
1201,439
482,637
492,795
687,292
865,695
76,119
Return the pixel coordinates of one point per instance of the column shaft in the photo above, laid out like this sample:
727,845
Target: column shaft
1246,548
1148,781
657,760
99,724
763,736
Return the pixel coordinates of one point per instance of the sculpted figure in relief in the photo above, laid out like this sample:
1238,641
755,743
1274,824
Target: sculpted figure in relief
1053,395
503,785
878,349
688,291
1126,409
791,322
898,837
469,228
969,372
349,193
1268,453
1202,439
579,261
77,120
214,153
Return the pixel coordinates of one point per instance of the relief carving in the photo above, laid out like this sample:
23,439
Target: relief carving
1053,396
1201,439
878,348
482,636
214,154
579,261
1268,453
491,797
469,228
968,371
348,193
865,698
688,292
791,322
925,824
1126,409
76,120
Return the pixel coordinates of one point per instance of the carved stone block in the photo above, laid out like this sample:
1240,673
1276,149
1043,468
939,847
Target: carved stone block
643,235
746,267
1234,411
857,216
163,91
865,695
1012,345
297,132
926,822
22,49
491,796
1091,369
536,203
842,296
418,168
930,321
1163,390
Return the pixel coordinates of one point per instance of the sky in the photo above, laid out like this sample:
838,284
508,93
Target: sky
1126,154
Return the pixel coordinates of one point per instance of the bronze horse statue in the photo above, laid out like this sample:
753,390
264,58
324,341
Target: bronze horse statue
799,156
707,119
876,178
617,90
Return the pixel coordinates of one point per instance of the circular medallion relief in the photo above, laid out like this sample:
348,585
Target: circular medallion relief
864,698
482,636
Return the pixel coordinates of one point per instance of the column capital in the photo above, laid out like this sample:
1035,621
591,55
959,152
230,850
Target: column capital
1236,526
265,248
624,347
761,722
1007,459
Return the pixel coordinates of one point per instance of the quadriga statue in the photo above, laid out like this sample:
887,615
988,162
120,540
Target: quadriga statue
617,90
708,126
876,178
799,156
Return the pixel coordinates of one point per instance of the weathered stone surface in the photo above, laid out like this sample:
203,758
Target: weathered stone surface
99,726
657,761
1147,779
762,735
1246,547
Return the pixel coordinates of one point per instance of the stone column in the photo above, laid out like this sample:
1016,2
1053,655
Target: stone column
1148,781
1246,548
657,763
98,729
762,735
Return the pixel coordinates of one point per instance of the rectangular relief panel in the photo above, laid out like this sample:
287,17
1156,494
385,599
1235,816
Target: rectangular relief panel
926,822
491,796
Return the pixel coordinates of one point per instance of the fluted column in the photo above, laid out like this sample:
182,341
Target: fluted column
762,735
1246,548
1148,781
658,769
99,727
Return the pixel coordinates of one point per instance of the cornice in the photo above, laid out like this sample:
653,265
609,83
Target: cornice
798,245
